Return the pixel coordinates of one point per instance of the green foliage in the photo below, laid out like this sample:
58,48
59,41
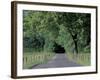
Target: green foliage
42,29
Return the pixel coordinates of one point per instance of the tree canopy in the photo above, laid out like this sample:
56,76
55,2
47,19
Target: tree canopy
43,29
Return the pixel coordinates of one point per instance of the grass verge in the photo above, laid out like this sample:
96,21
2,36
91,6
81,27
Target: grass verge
35,58
81,58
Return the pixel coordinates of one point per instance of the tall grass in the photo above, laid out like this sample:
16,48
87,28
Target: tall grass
81,58
35,58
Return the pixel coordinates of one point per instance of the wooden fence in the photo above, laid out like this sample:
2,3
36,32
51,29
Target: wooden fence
83,59
33,59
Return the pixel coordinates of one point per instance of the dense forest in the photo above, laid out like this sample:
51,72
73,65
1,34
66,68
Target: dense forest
44,31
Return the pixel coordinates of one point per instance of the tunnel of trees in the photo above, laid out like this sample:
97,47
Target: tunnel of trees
58,49
58,32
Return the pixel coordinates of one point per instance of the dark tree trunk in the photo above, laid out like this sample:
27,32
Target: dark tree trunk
76,47
75,42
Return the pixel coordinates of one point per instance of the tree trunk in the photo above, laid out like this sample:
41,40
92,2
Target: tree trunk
76,47
75,42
